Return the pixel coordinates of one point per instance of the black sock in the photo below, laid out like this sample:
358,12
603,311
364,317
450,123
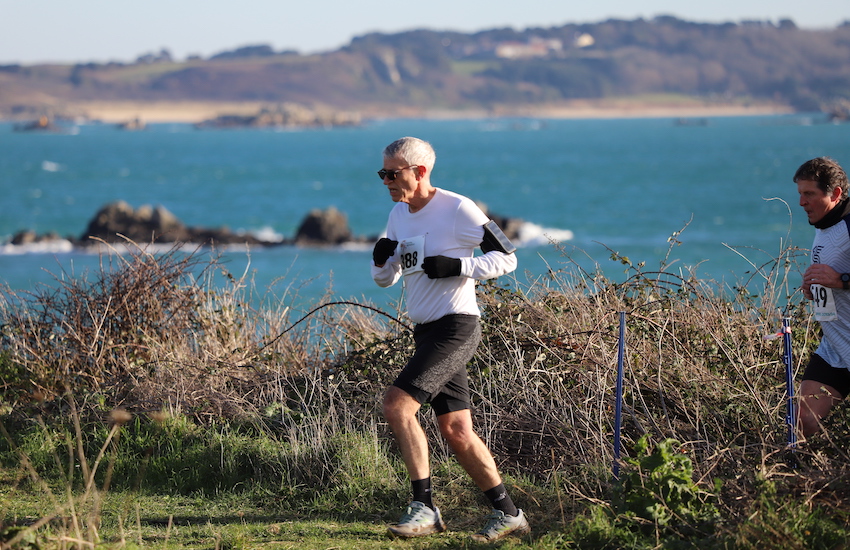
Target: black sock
501,500
422,491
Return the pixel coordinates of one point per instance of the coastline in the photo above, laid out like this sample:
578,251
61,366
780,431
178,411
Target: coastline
624,108
117,112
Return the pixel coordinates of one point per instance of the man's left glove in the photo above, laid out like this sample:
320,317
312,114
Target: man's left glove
438,267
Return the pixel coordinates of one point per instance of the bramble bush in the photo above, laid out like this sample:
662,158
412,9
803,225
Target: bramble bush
225,396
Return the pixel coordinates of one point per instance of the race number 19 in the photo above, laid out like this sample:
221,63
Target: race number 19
820,296
824,303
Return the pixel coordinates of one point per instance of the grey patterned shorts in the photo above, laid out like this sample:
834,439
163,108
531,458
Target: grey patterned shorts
436,373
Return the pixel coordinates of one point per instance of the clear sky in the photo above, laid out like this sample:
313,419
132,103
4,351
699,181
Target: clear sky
35,31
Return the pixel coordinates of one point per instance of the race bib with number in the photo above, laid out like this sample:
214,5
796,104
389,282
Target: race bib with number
824,303
412,252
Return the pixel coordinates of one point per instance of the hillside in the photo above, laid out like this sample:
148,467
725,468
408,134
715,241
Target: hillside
664,61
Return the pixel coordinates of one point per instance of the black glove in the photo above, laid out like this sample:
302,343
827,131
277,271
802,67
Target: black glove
437,267
384,248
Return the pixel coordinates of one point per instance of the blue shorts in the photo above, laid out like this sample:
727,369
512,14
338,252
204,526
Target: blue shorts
436,373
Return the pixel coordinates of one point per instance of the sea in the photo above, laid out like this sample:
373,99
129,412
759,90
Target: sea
713,196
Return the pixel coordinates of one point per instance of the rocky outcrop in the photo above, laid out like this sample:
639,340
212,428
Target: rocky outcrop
133,125
28,237
118,222
838,111
43,124
287,115
322,227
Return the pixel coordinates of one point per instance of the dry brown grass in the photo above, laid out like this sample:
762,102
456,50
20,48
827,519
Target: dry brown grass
149,333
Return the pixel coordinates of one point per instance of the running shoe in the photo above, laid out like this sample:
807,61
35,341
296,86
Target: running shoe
499,525
418,520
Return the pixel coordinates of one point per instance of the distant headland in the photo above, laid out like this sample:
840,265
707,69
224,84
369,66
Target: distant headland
659,67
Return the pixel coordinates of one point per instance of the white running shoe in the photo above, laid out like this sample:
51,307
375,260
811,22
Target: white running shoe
418,520
499,525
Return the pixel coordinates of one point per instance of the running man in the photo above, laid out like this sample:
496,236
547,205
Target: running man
431,236
822,186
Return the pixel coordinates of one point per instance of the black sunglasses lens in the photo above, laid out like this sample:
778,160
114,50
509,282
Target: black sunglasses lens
386,174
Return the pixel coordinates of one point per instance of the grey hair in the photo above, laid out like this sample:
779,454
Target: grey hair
413,151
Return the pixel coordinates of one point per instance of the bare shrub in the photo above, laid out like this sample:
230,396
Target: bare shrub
82,335
155,334
146,331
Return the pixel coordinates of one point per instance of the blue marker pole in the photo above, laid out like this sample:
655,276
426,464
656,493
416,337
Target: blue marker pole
789,381
618,414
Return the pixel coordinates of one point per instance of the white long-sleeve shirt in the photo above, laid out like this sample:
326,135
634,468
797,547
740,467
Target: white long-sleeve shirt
449,225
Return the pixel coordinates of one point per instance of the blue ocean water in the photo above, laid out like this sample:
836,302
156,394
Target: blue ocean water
592,185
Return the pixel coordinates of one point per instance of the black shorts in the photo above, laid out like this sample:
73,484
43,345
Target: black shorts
436,373
819,370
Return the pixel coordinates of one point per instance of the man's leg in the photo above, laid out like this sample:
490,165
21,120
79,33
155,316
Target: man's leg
478,462
469,450
421,517
400,412
816,400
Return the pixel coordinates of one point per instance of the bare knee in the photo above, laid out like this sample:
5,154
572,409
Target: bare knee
816,401
457,430
398,405
809,423
458,437
389,406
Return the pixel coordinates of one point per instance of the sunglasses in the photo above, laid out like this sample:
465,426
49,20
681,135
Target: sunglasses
383,173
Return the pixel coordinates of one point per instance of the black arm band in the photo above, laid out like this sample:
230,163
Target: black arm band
495,239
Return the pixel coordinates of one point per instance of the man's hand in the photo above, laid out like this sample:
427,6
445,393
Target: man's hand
438,267
820,274
384,248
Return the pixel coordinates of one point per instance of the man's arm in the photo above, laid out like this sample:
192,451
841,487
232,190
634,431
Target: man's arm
495,239
499,258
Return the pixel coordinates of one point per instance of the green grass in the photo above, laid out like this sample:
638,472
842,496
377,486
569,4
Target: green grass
255,518
471,68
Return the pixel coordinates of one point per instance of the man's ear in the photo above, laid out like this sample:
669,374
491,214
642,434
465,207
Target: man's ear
837,193
421,171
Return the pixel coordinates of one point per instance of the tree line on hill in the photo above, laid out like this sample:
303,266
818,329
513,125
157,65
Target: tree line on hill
807,70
